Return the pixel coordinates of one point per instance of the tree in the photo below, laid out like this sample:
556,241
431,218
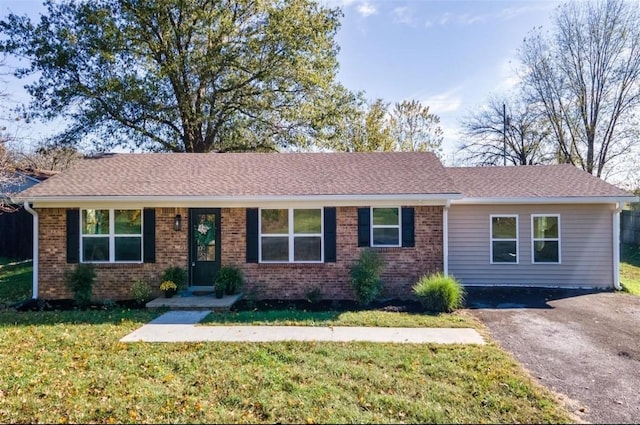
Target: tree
183,75
414,128
525,141
585,77
365,129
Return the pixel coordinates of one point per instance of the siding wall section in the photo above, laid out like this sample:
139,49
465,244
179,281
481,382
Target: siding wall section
585,243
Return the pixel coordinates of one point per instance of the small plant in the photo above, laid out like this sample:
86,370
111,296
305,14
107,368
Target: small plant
177,275
439,293
314,295
141,291
365,275
80,281
219,287
230,279
169,288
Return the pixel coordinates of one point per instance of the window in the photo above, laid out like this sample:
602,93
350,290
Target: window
110,235
385,226
504,239
545,238
291,235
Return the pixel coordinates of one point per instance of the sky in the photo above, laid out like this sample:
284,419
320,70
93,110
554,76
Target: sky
450,55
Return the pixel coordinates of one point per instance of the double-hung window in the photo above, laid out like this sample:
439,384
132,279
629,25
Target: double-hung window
545,238
385,227
504,239
111,236
291,235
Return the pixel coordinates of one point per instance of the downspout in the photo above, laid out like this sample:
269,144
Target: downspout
445,238
31,211
616,246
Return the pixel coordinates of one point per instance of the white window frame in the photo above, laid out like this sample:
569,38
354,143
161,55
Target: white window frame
386,226
492,239
291,236
534,240
112,237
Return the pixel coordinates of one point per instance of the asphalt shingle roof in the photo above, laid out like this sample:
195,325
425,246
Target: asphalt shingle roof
530,181
309,174
250,174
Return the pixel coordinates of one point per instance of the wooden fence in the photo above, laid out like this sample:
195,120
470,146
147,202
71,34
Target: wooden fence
630,227
16,235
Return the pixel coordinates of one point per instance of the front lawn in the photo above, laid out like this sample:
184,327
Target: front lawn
341,318
630,268
70,367
15,281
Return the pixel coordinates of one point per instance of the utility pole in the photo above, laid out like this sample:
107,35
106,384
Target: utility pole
504,134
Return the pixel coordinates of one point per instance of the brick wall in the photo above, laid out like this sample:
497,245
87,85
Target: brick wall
294,281
286,281
113,281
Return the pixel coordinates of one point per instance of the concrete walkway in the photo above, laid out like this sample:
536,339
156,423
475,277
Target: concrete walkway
180,326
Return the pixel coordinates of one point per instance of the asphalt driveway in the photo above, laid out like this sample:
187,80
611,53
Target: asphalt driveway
583,345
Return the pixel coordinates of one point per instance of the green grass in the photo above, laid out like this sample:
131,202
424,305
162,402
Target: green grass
70,367
338,318
630,269
15,282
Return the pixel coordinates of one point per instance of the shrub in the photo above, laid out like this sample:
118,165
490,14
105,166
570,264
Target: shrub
439,293
365,275
80,280
229,278
178,275
141,291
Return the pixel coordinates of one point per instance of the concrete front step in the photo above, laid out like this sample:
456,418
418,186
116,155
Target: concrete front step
188,301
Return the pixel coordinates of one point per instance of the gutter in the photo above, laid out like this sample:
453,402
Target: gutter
616,246
445,237
31,211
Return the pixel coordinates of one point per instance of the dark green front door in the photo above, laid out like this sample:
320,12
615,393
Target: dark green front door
204,243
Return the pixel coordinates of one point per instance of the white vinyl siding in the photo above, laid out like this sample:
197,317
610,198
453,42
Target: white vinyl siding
586,246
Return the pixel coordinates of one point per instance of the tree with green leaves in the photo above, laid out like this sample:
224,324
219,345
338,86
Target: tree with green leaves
183,75
522,140
585,76
364,129
415,128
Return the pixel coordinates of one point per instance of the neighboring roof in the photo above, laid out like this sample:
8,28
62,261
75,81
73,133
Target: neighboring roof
531,182
249,175
20,180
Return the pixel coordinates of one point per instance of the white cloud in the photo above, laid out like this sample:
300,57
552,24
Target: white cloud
366,9
444,19
507,75
467,19
515,11
403,15
449,101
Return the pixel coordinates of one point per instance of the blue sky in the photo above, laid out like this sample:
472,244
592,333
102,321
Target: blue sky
450,55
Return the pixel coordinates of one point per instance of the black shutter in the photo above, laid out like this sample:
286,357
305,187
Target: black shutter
408,232
364,226
149,235
330,234
73,236
252,235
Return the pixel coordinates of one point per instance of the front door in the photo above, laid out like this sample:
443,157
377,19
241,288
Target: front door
204,243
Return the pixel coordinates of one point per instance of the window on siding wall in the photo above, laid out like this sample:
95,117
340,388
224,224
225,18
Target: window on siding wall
385,227
111,235
545,238
504,239
291,235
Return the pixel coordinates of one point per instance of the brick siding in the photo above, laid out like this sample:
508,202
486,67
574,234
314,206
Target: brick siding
113,281
284,281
